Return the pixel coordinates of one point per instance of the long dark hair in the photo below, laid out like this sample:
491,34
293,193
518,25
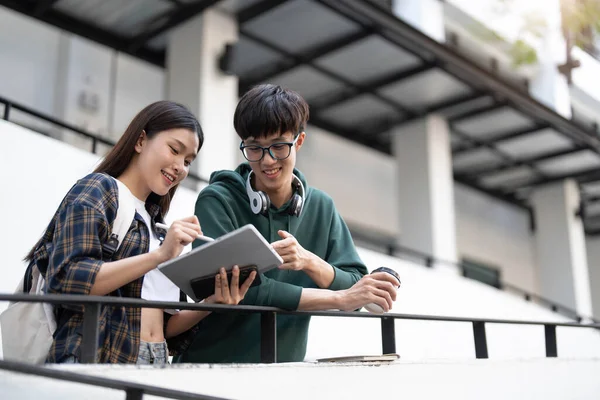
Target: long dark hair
153,119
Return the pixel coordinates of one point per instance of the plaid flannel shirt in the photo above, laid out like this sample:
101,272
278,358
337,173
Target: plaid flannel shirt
71,254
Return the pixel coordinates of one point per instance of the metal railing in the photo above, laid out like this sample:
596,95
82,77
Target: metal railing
392,249
10,105
133,391
268,336
430,261
268,326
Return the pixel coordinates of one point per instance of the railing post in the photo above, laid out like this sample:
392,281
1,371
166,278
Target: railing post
429,262
268,337
391,250
7,107
481,350
550,331
134,394
89,345
527,297
94,145
388,335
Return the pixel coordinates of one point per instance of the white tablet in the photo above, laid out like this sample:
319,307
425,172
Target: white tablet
244,246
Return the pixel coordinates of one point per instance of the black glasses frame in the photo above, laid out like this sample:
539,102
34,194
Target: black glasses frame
268,148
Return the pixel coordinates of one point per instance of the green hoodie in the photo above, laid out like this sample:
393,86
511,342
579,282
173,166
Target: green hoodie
222,207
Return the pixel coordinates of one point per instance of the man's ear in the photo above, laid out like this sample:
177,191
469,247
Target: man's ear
141,141
300,140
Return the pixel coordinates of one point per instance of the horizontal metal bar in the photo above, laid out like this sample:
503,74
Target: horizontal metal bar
54,121
140,303
9,104
75,377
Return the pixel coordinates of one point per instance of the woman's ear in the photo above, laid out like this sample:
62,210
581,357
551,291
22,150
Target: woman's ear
141,141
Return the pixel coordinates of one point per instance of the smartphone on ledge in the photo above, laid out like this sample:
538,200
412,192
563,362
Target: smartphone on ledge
204,287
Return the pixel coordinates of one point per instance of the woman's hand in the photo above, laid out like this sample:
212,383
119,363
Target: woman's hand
181,233
230,294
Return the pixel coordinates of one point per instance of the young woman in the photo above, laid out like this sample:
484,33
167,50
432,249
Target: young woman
150,160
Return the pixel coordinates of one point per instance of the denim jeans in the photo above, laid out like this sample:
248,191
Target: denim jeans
153,353
70,360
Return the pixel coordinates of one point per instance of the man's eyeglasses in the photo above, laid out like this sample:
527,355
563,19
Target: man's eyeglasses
278,151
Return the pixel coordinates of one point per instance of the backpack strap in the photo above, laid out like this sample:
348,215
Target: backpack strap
122,222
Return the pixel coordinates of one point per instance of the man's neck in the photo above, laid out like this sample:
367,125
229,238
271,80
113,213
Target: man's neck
280,197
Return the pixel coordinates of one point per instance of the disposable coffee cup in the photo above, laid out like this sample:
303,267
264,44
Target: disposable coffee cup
375,308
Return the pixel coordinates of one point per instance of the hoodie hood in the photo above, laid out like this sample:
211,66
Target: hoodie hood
234,182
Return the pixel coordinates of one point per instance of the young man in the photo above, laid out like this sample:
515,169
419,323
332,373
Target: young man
321,268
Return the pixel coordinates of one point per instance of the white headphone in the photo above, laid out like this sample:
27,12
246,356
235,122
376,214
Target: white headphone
260,202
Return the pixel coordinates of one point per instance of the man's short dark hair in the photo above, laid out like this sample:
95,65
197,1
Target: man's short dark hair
269,109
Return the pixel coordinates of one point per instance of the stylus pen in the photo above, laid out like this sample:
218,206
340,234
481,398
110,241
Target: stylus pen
201,237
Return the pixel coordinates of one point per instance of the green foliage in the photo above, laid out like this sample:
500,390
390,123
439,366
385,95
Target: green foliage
522,54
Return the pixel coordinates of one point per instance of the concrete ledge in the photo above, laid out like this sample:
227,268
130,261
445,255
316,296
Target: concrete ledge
468,379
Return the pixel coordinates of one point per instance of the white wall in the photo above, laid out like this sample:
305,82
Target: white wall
28,73
137,85
86,92
361,181
497,234
593,253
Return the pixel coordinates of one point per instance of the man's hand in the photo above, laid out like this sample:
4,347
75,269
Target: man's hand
379,288
294,256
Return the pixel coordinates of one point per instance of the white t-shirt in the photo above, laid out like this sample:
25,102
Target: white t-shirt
157,287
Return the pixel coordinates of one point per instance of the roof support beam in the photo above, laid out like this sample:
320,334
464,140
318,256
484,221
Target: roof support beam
530,162
477,112
78,27
43,6
349,134
438,107
176,17
257,9
588,175
309,57
377,84
497,138
324,71
407,36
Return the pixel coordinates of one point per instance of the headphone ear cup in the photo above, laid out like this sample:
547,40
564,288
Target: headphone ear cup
295,205
265,203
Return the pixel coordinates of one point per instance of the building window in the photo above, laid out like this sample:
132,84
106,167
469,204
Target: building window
481,272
